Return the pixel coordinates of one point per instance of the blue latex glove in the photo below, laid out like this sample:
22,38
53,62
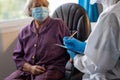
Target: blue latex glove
72,54
74,44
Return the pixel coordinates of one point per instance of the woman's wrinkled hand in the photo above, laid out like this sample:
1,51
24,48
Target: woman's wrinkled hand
33,69
37,69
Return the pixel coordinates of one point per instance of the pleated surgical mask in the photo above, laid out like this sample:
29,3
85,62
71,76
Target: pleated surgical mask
40,13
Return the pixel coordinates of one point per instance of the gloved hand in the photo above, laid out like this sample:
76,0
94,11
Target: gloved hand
72,54
74,44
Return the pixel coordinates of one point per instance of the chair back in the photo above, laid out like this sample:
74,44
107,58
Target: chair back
76,18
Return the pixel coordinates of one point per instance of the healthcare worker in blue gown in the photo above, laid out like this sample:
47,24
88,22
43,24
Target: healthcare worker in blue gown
101,59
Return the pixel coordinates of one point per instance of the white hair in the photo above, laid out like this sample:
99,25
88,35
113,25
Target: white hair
27,7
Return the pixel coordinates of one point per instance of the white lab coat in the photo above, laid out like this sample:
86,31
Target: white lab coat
102,53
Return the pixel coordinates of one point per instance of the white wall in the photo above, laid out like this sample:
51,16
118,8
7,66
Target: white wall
8,37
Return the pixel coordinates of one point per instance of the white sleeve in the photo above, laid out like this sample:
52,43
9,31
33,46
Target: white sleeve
103,47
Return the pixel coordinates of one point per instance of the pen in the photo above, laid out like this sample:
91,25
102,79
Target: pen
73,34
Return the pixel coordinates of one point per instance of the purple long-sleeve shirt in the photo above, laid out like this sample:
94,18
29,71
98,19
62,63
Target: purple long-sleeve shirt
39,48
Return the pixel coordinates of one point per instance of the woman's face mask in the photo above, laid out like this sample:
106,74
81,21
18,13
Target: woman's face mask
40,13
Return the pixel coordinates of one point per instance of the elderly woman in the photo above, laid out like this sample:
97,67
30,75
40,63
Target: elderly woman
36,55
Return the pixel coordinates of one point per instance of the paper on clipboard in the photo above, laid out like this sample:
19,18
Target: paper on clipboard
77,52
